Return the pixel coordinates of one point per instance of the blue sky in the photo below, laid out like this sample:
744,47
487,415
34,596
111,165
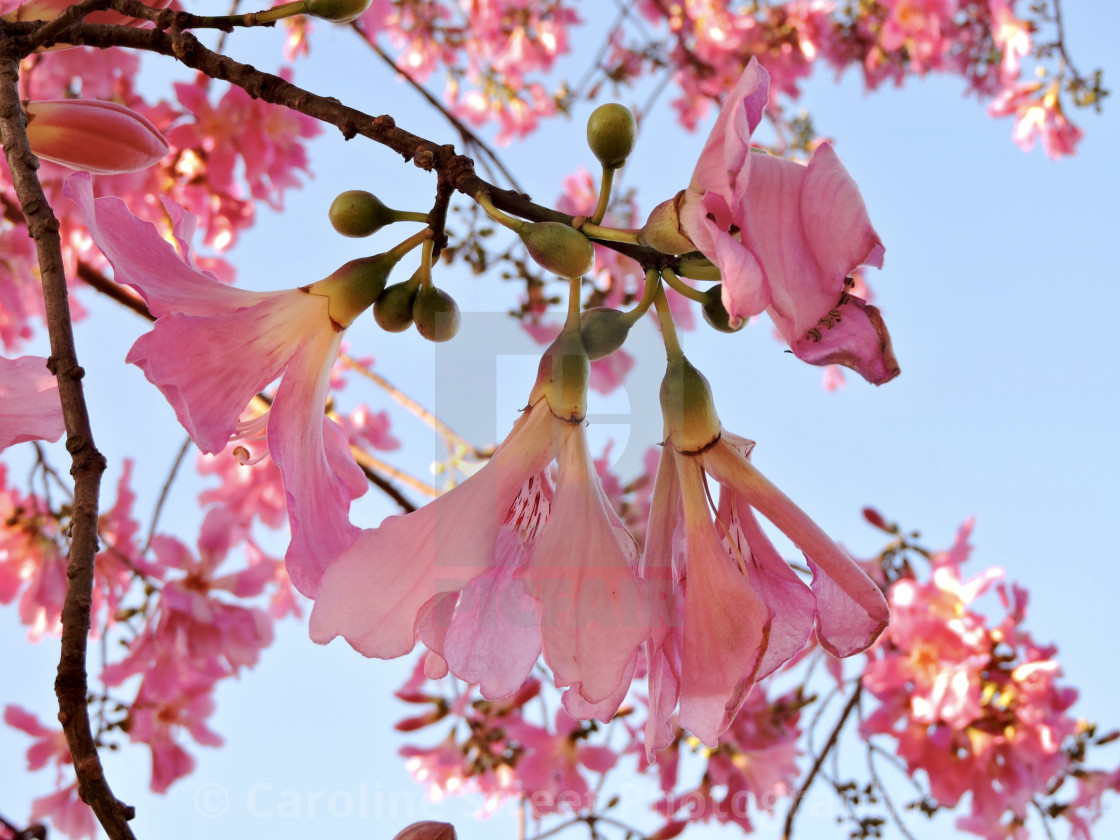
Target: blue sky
1000,289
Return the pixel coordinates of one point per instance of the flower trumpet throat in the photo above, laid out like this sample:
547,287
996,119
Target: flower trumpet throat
562,377
691,422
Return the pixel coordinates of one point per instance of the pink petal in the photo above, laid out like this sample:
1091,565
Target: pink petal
851,609
582,571
233,357
320,476
726,623
94,135
145,260
377,591
29,403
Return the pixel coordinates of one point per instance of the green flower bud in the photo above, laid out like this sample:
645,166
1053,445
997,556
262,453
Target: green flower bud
359,213
717,315
353,287
604,331
611,132
691,422
436,314
662,230
393,309
558,247
337,11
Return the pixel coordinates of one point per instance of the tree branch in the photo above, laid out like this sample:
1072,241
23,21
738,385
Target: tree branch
87,463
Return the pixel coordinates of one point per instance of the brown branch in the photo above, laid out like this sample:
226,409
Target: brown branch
87,464
829,745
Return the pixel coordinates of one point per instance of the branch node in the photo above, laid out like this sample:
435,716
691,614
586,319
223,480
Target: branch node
425,158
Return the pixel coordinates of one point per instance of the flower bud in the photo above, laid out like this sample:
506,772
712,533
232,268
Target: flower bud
611,132
337,11
436,314
558,247
604,330
716,314
393,308
359,213
562,377
354,287
93,135
428,830
691,422
662,230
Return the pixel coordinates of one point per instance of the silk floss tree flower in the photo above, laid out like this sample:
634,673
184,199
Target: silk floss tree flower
784,236
214,348
93,135
734,611
508,565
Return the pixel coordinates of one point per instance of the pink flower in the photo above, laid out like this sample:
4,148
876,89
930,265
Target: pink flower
786,237
93,135
1037,114
504,566
239,342
29,406
735,611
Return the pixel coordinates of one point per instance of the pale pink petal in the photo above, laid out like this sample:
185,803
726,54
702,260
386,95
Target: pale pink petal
319,480
728,144
377,591
494,639
233,357
582,571
726,623
605,709
29,403
146,261
851,609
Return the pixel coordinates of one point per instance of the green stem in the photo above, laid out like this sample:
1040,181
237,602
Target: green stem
668,330
484,201
653,283
297,7
423,236
609,234
683,288
426,263
604,195
575,287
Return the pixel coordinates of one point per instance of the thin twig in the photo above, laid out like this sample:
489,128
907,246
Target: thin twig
164,490
833,737
885,795
87,466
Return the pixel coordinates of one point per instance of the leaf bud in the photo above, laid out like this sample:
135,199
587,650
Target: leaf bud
662,230
436,314
558,247
611,132
604,330
691,422
393,308
716,314
359,213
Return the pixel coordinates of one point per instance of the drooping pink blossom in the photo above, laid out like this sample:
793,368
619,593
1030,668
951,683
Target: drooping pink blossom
506,565
786,237
94,135
288,334
734,610
29,404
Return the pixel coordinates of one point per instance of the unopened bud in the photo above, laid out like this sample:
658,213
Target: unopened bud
337,11
662,230
393,308
354,287
359,213
611,132
558,247
604,330
93,135
691,422
716,314
428,830
436,314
